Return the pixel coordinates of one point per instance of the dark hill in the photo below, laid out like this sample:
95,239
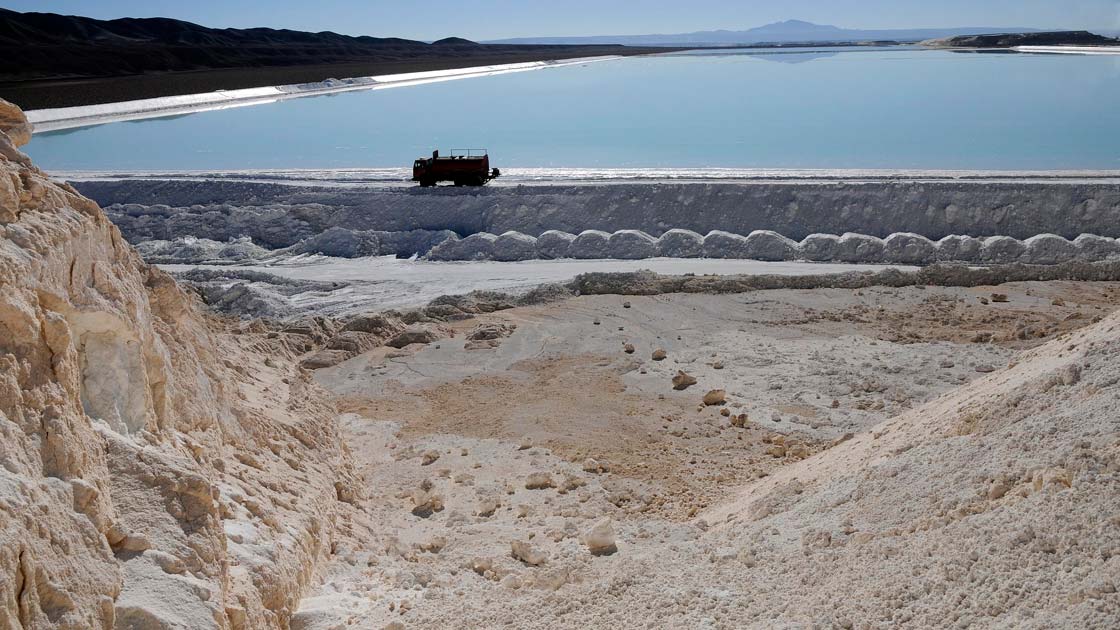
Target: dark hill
48,46
456,41
49,60
1008,40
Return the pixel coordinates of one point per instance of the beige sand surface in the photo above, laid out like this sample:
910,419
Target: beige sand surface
711,526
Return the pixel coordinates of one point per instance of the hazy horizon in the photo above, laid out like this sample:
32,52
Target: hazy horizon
498,19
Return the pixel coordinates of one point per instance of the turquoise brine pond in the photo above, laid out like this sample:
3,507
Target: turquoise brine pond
821,108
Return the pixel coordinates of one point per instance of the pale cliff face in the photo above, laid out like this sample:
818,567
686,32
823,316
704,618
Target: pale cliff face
151,465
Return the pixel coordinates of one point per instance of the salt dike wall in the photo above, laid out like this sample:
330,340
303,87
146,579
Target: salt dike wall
156,470
933,209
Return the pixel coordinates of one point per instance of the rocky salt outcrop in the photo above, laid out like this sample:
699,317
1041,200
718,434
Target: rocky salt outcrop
253,294
14,125
416,334
198,251
152,461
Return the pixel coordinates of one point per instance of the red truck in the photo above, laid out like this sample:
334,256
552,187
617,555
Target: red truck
470,167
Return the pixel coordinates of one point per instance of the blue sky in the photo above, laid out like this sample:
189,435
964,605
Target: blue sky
491,19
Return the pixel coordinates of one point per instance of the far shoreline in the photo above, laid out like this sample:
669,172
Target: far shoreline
77,92
66,118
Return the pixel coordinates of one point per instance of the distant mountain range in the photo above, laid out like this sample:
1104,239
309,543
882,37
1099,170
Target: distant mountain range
46,44
790,31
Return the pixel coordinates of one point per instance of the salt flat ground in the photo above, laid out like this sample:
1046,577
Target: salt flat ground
386,282
817,372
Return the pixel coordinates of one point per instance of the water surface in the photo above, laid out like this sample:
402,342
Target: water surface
818,108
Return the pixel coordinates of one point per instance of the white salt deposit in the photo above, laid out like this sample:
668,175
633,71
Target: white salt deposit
59,118
388,282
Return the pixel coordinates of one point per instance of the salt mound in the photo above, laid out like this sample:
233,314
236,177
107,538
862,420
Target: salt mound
341,243
860,248
1001,250
820,247
600,538
679,243
957,248
200,251
769,245
1048,249
909,249
555,244
720,244
591,244
478,246
515,246
1092,247
632,245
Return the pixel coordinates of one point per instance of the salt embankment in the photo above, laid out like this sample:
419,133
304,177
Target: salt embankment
888,221
219,209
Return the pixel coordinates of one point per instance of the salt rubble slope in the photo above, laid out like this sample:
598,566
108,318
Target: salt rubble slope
146,479
995,504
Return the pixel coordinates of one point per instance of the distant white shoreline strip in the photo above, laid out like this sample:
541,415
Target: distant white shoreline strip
1070,50
514,176
60,118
